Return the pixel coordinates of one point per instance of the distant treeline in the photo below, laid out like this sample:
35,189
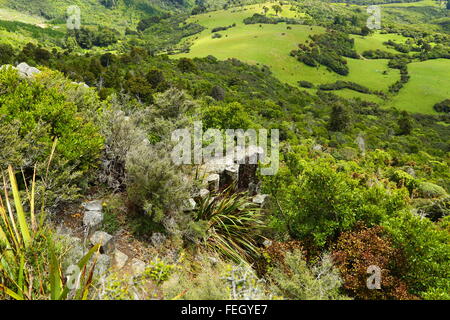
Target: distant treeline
327,49
373,2
262,19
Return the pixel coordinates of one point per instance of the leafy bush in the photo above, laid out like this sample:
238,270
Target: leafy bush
430,190
210,278
300,282
262,19
305,84
338,85
154,184
355,251
427,253
229,116
318,202
158,271
31,104
443,106
217,29
327,49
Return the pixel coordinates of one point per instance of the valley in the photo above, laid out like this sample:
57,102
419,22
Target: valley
224,150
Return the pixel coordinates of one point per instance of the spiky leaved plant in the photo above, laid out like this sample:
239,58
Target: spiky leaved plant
30,267
233,224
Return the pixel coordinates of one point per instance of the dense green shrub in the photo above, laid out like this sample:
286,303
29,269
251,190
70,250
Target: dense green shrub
430,190
305,84
338,85
319,202
229,116
443,106
154,185
301,282
327,49
32,104
427,253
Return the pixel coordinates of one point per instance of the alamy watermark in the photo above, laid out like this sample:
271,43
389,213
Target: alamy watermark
73,18
232,146
73,277
374,20
374,281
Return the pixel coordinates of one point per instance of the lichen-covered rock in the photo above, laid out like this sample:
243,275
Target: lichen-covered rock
76,250
189,205
261,200
231,175
104,239
119,259
213,181
138,266
102,265
26,71
93,220
95,205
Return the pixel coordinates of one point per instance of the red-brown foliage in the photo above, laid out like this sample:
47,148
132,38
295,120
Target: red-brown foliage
356,250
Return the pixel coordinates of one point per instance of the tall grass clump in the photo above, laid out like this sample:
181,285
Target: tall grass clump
30,261
233,224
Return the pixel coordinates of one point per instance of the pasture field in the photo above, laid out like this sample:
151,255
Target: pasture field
270,45
422,3
429,84
13,15
375,41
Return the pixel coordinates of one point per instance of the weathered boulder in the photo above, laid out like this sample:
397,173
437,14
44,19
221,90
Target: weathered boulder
95,205
231,175
119,259
103,264
104,239
203,193
26,71
76,250
261,200
189,205
93,220
213,181
138,266
317,147
267,243
411,171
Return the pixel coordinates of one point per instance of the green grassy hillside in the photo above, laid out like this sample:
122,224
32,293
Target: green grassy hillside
270,45
429,84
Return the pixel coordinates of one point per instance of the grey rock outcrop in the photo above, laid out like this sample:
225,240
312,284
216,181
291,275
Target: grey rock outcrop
119,259
138,266
213,181
26,71
239,167
102,265
189,205
93,215
261,200
104,239
95,205
93,220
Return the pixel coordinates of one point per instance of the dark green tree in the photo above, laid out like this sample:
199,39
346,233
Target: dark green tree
218,93
186,65
155,77
405,123
339,118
